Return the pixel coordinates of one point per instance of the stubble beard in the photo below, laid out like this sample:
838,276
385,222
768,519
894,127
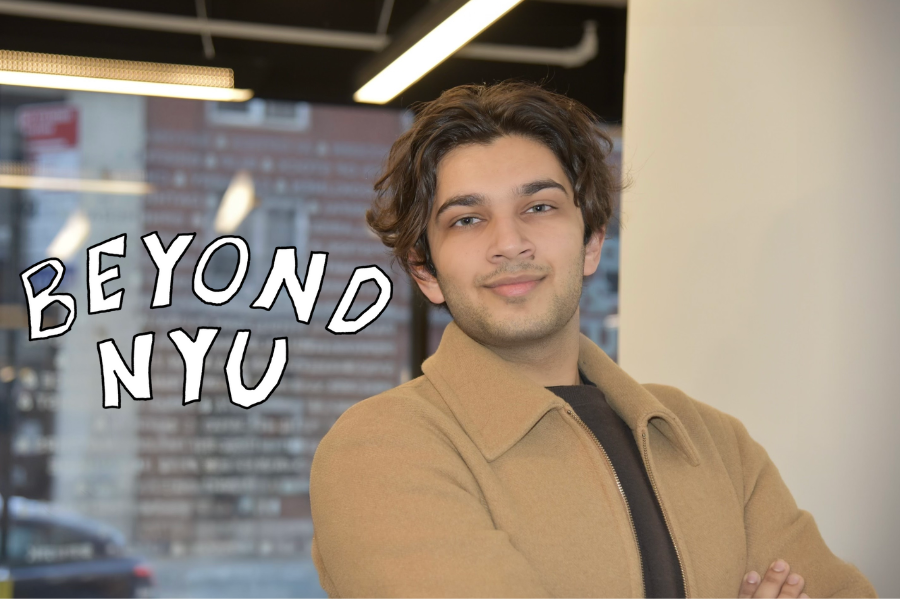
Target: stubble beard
479,323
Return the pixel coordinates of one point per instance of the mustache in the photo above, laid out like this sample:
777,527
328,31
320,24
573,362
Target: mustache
514,269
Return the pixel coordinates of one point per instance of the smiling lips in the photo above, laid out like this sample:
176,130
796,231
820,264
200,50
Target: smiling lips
515,286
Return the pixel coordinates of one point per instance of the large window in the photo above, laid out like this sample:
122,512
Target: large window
208,498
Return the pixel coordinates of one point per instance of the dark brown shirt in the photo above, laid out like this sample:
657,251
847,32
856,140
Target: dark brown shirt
662,573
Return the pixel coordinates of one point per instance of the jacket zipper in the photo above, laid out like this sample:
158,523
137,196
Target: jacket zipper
571,413
687,593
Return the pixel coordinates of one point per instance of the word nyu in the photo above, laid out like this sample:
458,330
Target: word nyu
282,274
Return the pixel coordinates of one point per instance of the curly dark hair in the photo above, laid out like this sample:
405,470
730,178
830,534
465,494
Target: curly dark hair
479,114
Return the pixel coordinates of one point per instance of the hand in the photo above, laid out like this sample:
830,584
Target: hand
779,582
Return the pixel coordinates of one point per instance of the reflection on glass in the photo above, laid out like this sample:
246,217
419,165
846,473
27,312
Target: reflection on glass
53,552
204,499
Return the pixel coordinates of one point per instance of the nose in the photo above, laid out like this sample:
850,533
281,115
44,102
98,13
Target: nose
509,241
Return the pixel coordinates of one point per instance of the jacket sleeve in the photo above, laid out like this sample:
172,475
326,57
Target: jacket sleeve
396,512
777,528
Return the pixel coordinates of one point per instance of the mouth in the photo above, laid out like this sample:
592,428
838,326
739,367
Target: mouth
515,286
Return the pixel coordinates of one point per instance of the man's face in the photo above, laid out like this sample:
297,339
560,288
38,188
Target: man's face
506,241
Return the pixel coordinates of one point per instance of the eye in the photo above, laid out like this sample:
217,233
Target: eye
464,222
540,208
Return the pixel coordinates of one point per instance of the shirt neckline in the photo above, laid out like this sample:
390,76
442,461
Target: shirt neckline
584,382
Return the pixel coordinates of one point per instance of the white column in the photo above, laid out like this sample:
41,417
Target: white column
760,264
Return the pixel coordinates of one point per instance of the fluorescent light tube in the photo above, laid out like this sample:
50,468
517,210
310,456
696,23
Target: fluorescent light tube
71,237
57,71
238,201
438,44
62,184
121,86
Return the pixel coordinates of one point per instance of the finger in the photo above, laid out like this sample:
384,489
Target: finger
804,596
749,585
771,583
793,586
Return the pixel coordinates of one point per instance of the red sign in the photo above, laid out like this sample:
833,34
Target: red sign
48,127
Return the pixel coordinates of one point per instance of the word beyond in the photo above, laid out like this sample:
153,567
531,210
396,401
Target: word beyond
282,274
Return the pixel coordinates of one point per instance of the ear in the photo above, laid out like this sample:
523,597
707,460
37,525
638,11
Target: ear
592,252
426,282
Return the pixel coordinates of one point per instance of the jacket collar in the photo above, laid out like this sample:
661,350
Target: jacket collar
497,407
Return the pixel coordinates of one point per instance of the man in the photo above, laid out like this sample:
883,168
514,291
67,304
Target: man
525,462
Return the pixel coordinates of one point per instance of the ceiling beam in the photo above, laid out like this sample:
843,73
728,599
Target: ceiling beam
191,25
571,57
610,3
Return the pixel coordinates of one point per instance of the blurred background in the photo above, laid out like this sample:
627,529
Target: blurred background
759,259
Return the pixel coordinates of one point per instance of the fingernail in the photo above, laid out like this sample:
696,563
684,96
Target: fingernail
793,579
778,566
753,577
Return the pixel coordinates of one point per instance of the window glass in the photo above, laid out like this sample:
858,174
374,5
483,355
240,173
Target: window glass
214,496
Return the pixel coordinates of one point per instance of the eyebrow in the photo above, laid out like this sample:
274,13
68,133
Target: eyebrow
526,189
530,189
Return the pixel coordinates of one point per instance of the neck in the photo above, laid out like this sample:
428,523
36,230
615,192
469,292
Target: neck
549,361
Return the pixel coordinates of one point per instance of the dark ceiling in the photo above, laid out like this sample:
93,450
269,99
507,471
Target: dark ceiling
321,74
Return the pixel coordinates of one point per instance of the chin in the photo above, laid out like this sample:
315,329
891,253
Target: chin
515,321
512,331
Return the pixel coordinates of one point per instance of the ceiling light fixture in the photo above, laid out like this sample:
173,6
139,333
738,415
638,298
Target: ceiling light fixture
237,202
429,40
65,184
58,71
71,236
24,176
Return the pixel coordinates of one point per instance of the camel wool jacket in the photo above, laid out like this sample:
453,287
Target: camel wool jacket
471,481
